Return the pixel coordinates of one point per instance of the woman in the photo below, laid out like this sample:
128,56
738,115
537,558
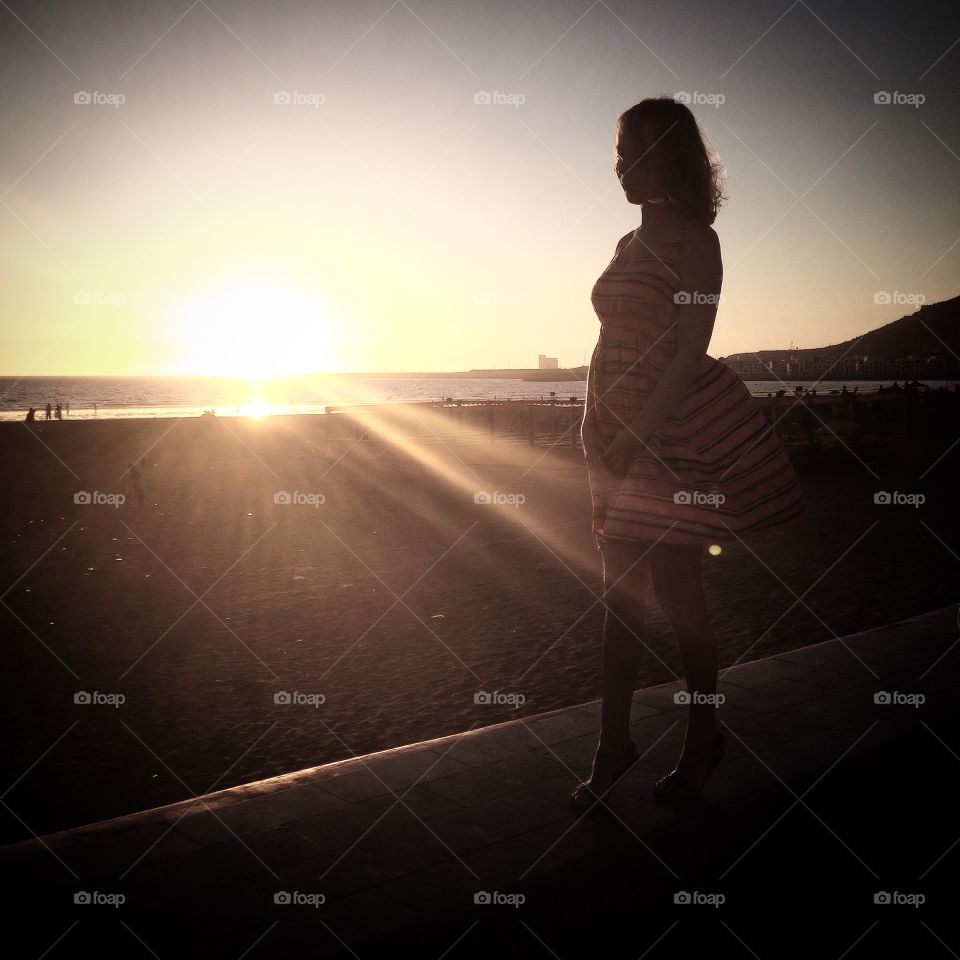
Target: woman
679,455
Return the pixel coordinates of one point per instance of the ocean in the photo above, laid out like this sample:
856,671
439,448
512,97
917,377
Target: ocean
126,397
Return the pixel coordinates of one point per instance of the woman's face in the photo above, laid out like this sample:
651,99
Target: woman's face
635,166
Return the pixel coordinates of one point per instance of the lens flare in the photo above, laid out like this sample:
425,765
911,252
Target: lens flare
256,409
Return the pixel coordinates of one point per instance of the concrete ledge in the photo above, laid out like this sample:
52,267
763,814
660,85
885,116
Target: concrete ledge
404,838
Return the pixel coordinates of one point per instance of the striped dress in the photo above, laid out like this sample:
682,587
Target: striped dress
715,469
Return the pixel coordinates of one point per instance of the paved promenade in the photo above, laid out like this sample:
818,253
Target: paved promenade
830,827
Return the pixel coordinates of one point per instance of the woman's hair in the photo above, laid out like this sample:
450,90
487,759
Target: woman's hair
691,173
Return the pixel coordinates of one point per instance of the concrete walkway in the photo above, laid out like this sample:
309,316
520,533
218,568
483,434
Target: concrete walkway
465,845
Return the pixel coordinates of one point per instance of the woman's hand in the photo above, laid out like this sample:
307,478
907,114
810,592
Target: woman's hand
622,451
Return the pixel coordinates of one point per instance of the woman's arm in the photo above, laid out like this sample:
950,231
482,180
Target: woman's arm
589,431
590,404
590,401
701,277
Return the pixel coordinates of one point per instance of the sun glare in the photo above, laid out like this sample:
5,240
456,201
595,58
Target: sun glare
254,331
256,408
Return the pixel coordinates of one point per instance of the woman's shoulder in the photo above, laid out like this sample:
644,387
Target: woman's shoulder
693,238
700,252
683,231
698,233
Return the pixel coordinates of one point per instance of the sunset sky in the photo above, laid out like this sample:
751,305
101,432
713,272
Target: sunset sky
382,220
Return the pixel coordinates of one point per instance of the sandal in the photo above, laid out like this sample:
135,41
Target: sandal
584,796
675,787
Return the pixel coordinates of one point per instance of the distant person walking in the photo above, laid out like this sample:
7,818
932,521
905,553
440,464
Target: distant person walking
59,412
68,408
679,454
49,411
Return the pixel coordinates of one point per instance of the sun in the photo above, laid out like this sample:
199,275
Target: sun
256,409
253,330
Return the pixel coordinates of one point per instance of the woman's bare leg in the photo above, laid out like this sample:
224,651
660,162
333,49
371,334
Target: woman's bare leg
678,584
626,585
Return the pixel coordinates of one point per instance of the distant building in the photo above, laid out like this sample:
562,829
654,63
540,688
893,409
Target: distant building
751,367
848,366
548,363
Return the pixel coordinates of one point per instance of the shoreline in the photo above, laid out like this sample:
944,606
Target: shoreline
826,393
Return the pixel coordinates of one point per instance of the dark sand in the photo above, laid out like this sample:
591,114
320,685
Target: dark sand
302,598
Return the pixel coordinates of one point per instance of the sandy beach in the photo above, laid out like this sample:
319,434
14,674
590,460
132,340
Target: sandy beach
183,576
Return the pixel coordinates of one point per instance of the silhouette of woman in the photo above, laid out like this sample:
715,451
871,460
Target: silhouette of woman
679,454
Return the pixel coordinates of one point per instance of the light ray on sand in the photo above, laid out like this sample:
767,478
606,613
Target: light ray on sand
418,433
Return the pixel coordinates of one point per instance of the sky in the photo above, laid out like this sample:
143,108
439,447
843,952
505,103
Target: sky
250,189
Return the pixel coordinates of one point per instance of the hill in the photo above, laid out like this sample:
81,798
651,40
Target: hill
933,331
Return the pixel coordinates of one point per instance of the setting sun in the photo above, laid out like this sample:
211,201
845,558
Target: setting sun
253,331
256,408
